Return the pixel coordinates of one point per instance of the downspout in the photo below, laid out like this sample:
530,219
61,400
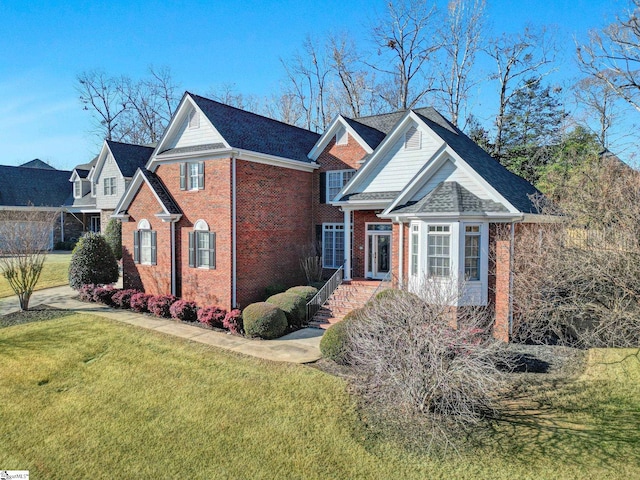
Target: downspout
511,254
62,226
401,255
234,272
173,258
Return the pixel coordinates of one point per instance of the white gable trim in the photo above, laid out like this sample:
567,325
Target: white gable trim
390,140
105,151
74,176
181,114
330,132
127,198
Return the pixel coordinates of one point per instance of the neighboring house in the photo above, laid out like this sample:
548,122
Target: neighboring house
82,204
229,201
37,187
111,174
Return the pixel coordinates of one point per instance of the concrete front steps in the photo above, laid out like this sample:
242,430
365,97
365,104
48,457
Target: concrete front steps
347,297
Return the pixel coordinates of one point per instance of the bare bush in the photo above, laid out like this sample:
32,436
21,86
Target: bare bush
577,280
25,237
311,264
423,357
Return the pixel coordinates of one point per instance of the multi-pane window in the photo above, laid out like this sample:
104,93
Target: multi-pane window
415,244
332,245
109,185
144,244
336,180
77,189
439,251
472,252
192,176
202,246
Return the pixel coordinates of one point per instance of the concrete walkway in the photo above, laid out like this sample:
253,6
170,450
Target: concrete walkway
302,346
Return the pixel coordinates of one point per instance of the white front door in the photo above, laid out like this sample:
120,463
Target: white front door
378,254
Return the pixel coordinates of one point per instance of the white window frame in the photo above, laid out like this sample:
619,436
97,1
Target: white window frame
145,244
193,180
475,232
414,249
332,228
336,180
200,233
439,234
109,186
77,189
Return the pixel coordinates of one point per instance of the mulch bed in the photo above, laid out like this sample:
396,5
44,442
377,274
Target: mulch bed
39,313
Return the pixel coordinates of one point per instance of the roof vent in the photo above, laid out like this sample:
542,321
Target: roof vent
341,136
413,139
194,119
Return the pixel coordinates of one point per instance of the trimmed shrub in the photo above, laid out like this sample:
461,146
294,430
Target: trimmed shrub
122,298
184,310
160,305
92,261
139,302
233,321
306,292
274,289
293,305
104,294
86,292
334,344
212,316
113,236
264,320
68,245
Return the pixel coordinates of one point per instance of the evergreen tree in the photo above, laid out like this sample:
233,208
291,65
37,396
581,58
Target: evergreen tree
113,236
532,127
92,261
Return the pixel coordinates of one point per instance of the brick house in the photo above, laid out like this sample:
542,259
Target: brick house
229,199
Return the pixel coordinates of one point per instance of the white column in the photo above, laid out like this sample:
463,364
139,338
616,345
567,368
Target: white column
347,244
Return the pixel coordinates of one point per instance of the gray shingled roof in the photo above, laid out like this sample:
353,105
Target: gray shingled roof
370,196
87,202
37,163
512,187
451,197
129,157
372,136
24,186
249,131
161,191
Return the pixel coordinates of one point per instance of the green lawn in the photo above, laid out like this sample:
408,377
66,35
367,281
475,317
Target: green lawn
84,397
55,272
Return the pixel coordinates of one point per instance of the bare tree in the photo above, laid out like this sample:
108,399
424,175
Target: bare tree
527,55
135,111
286,108
462,38
25,237
406,43
424,358
227,93
595,98
613,55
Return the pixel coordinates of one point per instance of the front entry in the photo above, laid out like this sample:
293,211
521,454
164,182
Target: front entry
378,254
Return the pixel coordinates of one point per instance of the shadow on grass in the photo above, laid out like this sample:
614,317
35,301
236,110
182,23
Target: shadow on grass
575,422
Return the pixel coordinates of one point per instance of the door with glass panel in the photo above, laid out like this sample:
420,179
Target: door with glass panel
378,254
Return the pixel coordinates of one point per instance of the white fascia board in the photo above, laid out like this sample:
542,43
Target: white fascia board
169,217
264,158
444,216
192,156
29,208
82,210
179,115
102,157
362,204
74,176
430,167
380,151
323,141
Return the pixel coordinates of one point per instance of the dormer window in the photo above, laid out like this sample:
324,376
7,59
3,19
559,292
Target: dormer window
77,189
194,119
342,138
413,139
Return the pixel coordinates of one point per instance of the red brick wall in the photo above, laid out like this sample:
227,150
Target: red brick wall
155,279
274,226
334,157
360,218
400,229
499,276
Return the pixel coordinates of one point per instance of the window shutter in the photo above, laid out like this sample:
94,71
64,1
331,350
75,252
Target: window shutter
136,246
183,176
212,250
319,240
192,252
154,258
200,175
323,187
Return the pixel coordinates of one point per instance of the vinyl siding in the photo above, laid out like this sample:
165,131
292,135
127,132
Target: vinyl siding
188,137
448,172
109,169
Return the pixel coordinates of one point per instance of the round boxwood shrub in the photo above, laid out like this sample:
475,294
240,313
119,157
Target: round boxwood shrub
334,344
264,320
307,292
92,261
293,305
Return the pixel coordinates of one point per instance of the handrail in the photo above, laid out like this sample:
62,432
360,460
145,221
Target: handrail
383,282
320,298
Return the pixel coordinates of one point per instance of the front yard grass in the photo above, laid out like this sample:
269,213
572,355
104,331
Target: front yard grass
55,272
84,397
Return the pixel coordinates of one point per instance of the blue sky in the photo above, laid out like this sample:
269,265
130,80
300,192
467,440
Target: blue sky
44,45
